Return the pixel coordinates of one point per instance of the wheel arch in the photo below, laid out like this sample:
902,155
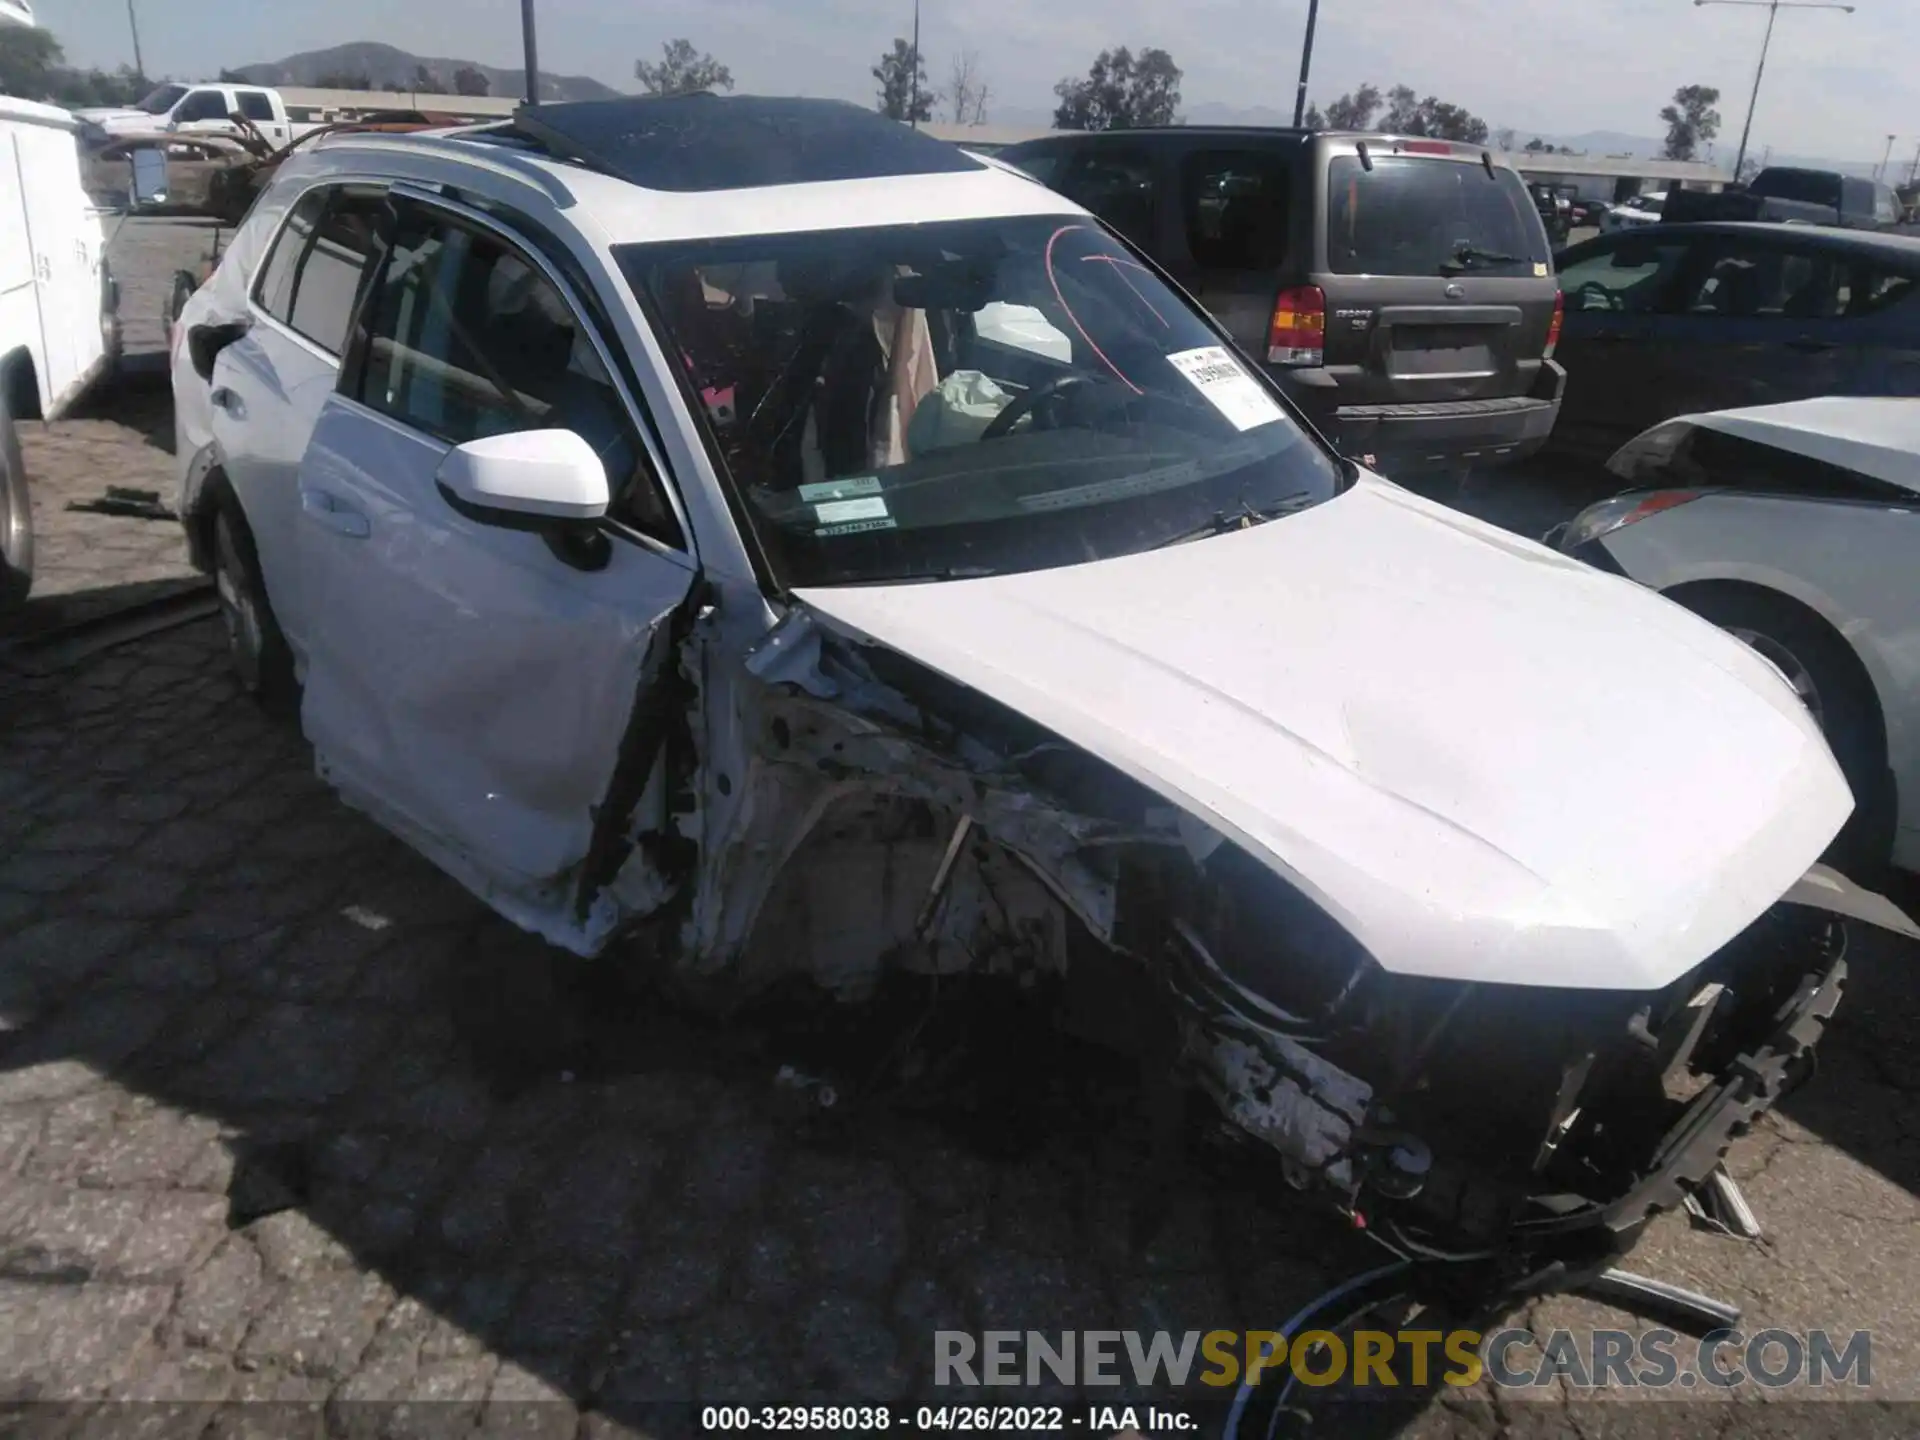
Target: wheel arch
1691,593
1879,815
208,491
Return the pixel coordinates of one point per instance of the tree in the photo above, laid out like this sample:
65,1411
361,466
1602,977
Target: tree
468,80
966,91
1315,118
903,84
1120,92
1536,145
1504,138
341,80
1407,114
232,77
425,79
1691,121
1355,110
30,59
682,70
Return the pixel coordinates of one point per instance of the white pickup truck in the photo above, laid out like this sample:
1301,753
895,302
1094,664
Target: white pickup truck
59,308
199,109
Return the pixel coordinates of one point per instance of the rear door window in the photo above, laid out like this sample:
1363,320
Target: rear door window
1043,165
1235,204
1116,185
313,273
1414,215
255,105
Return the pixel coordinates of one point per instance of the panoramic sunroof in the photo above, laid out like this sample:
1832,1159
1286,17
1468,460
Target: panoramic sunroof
735,142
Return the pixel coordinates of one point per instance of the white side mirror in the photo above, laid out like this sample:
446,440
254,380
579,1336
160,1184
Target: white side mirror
547,473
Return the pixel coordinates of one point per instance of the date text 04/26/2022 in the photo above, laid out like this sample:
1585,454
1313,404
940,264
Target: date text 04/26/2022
1097,1420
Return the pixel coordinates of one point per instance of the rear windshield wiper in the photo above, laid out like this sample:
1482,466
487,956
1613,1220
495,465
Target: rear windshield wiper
1464,255
1244,518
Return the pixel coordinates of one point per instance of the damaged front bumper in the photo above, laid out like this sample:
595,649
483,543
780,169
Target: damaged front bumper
1530,1133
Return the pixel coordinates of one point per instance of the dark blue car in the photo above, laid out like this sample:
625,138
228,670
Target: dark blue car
1669,320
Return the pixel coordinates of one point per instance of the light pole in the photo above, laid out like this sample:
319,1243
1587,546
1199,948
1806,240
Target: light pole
1913,170
1886,159
1773,9
133,24
532,50
1306,64
913,78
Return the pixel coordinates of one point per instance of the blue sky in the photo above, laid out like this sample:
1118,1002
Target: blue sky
1834,82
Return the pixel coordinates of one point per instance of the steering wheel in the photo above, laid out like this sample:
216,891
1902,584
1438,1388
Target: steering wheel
1022,404
1592,290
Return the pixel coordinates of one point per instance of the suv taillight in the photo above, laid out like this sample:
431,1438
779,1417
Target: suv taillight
1553,325
1298,334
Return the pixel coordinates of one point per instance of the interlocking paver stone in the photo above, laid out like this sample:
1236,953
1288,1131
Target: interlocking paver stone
217,983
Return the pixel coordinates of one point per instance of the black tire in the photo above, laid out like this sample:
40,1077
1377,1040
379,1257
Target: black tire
183,288
1835,688
16,517
261,660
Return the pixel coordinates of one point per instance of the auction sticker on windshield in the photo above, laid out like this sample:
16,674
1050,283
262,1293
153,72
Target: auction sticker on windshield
1227,386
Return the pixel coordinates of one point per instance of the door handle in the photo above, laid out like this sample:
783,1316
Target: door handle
228,401
328,512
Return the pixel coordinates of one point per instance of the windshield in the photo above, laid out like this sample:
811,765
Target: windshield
967,398
162,99
1413,215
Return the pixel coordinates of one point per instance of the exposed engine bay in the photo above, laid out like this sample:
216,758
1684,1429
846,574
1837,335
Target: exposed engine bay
893,819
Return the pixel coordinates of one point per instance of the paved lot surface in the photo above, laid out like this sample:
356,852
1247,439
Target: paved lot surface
120,436
285,1116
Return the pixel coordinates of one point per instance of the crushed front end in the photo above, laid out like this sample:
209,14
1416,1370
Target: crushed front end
891,818
1529,1131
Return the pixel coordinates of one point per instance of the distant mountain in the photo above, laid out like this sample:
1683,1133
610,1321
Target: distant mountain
394,69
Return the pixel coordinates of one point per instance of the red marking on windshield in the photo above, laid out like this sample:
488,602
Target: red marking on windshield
1054,281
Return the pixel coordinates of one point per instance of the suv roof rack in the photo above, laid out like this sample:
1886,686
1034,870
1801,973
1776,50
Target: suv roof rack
706,142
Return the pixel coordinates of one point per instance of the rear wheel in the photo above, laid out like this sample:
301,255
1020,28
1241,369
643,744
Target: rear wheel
184,286
16,517
1831,683
261,660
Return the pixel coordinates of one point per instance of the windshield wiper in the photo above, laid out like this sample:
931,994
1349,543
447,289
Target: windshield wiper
1465,253
1243,518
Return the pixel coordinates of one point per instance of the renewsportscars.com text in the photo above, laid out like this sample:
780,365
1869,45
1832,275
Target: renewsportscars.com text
1510,1358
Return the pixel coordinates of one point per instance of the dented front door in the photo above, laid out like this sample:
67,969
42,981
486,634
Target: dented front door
469,684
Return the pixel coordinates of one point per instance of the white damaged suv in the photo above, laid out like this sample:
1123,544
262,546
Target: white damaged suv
754,527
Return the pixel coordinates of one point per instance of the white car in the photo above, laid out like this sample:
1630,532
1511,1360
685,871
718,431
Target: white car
763,530
1640,210
1797,528
59,309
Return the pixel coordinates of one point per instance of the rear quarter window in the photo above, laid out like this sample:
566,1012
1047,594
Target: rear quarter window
1115,184
1235,204
1042,165
1419,215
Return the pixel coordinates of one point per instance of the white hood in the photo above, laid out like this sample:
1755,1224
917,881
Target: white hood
114,119
1488,761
